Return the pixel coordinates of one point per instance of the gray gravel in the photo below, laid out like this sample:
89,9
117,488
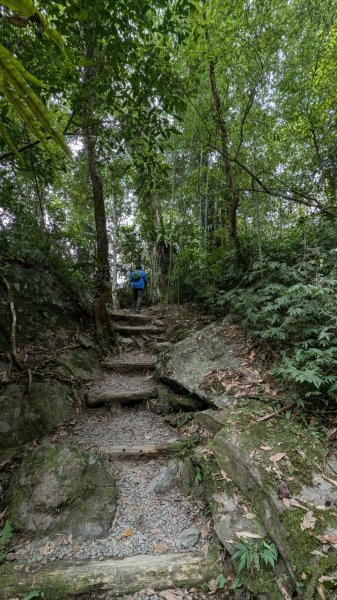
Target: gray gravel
144,524
132,427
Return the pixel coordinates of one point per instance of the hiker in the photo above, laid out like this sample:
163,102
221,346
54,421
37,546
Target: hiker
138,281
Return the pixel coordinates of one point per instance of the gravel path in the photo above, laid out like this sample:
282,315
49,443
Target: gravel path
132,427
146,522
121,382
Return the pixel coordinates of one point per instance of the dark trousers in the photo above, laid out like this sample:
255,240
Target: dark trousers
138,295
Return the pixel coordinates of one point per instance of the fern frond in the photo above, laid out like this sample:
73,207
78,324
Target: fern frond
6,534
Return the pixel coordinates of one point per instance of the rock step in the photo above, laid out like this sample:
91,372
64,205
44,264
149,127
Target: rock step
130,329
128,365
125,576
134,451
110,396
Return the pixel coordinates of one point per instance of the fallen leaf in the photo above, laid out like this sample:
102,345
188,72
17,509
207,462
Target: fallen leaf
329,538
324,578
148,592
296,504
159,548
308,521
127,533
212,585
277,457
247,534
331,432
286,502
321,592
169,594
317,553
225,476
265,447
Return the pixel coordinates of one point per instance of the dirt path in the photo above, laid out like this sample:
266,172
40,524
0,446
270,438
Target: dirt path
154,516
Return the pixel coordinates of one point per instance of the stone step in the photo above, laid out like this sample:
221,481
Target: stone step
111,396
134,451
125,576
138,330
128,365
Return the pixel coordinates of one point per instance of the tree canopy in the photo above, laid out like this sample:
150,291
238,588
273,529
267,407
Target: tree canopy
198,137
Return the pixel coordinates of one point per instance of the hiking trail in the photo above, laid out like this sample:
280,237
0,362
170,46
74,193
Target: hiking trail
160,535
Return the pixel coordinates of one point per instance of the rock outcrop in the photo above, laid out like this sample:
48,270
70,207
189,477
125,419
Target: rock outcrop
59,489
185,365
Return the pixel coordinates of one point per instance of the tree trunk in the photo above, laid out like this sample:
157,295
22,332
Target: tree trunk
232,191
114,296
103,283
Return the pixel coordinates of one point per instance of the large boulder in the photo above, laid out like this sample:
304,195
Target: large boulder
44,307
187,364
59,489
24,417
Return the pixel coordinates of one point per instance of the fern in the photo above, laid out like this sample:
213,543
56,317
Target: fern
6,534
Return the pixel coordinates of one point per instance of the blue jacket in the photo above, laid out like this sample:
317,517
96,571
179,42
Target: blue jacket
140,284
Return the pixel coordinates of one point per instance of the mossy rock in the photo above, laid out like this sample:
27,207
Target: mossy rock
81,363
24,418
62,489
231,516
250,453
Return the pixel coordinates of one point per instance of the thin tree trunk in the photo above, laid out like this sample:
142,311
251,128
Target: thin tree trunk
114,297
103,283
233,194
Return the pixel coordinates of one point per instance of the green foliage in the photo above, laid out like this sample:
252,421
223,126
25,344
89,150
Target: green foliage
6,534
15,86
221,581
237,584
251,555
198,475
292,309
34,594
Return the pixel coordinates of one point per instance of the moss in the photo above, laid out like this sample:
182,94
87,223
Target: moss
12,583
326,564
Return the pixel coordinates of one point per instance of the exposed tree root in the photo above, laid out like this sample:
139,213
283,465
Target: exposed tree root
13,325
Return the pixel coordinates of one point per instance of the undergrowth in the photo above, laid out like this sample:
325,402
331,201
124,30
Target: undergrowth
290,310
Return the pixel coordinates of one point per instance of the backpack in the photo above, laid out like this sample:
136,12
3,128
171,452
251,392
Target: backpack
136,276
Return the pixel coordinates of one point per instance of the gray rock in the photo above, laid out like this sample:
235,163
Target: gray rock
168,478
230,518
79,362
188,537
62,489
178,402
159,323
186,364
24,419
127,341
